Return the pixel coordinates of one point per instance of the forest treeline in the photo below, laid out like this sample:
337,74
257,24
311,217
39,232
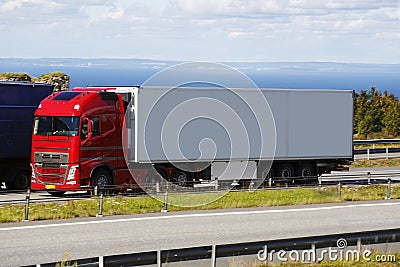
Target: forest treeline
376,115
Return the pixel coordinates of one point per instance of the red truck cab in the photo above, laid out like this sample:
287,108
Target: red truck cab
77,141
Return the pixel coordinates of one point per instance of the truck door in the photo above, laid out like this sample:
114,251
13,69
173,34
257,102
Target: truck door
91,150
111,139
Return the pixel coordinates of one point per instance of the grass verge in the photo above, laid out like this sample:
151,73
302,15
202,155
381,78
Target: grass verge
130,205
377,163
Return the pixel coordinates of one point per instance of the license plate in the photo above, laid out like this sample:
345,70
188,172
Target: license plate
50,186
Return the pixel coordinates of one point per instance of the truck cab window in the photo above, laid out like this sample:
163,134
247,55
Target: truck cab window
56,125
85,129
95,126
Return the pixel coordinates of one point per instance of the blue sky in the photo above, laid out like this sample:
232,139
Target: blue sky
366,31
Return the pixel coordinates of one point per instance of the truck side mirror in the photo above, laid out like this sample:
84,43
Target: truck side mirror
86,130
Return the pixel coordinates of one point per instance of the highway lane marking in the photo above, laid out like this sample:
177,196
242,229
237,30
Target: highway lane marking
168,217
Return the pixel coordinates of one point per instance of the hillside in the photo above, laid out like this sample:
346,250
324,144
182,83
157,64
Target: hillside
59,80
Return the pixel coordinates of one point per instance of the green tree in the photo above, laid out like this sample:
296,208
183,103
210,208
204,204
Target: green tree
376,115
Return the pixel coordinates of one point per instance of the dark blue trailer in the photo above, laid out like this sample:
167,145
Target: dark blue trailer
18,102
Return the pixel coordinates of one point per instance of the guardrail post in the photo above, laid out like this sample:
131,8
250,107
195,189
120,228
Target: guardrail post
314,250
27,200
165,208
100,205
368,154
96,190
320,180
101,261
388,188
387,153
159,259
339,187
369,177
214,256
251,186
157,188
216,184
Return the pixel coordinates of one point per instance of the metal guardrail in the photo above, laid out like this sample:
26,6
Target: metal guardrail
377,150
360,178
377,153
217,186
214,252
376,141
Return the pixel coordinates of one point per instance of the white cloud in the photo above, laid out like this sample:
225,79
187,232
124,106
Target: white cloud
236,34
206,29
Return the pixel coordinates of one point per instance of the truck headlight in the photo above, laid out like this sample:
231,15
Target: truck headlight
33,176
71,173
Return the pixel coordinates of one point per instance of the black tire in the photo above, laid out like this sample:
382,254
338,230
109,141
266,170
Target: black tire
19,181
285,173
162,171
306,170
101,178
285,170
181,178
56,193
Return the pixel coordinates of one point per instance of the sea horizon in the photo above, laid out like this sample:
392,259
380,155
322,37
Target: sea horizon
291,75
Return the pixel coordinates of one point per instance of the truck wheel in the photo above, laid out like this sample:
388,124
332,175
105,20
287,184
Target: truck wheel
162,171
19,181
181,178
101,178
286,173
306,169
56,193
285,170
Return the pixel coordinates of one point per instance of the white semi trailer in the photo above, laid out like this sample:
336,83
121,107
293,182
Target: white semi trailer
193,134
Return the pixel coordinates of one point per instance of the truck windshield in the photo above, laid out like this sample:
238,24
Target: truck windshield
56,125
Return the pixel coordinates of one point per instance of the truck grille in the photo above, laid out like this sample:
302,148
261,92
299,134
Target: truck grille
51,158
51,165
51,179
51,168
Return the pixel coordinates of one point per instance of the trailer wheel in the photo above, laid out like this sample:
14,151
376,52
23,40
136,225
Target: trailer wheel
101,178
285,173
181,178
19,181
306,169
285,170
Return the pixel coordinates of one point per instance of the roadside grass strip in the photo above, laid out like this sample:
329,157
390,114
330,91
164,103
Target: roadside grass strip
122,205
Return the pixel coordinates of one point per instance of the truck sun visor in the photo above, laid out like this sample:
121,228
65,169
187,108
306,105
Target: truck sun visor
66,95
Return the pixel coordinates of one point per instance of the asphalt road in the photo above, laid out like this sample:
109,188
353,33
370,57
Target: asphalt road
40,242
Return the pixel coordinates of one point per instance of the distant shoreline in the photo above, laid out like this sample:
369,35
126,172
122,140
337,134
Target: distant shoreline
301,75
